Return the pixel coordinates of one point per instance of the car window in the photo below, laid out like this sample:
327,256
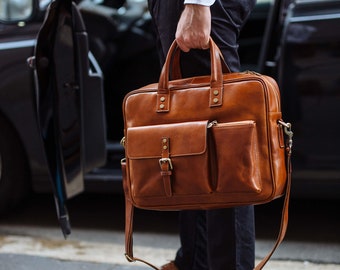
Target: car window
15,10
43,4
264,1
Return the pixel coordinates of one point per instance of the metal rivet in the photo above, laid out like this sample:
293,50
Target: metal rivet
164,140
162,106
215,100
165,147
216,92
162,99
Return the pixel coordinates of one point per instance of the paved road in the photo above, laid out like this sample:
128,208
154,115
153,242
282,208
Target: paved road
46,250
30,239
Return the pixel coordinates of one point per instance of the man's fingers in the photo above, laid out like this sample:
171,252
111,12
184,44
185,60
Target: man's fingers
205,45
185,46
194,27
182,46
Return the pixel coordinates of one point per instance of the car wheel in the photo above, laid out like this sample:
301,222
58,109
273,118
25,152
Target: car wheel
14,176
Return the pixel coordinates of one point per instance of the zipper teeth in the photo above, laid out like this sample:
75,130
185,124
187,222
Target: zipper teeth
230,124
262,78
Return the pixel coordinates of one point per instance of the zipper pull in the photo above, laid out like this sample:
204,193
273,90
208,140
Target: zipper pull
123,141
251,72
212,123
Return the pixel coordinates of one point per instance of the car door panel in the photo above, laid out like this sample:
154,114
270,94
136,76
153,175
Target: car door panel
70,103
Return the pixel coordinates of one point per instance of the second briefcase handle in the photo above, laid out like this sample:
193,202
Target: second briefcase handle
216,78
176,72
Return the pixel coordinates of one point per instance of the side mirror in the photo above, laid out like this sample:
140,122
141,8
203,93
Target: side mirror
13,11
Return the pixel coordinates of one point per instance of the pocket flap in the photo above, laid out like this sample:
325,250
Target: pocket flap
189,138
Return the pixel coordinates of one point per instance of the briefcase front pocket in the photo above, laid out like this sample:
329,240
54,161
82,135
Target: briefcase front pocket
168,160
193,158
236,157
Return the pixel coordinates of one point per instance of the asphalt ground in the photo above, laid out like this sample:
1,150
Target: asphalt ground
32,248
30,239
29,262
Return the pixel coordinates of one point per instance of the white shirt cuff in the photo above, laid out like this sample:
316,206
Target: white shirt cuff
200,2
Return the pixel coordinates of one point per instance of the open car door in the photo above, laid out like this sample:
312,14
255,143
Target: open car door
70,103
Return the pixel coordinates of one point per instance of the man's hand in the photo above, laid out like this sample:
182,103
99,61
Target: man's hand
193,29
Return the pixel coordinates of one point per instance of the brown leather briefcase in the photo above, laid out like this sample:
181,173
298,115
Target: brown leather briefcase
204,142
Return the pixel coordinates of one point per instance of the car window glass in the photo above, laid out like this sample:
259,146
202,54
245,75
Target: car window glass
15,10
43,4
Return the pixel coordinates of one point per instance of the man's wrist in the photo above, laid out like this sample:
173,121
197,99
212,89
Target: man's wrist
200,2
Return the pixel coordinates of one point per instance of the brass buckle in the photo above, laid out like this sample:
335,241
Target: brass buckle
165,160
123,141
288,131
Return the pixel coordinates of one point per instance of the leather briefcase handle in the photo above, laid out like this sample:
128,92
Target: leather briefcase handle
217,63
176,72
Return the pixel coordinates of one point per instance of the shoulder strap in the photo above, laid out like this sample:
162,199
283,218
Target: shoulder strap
284,218
129,209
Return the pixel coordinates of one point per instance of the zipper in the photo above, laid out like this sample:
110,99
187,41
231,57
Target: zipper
212,157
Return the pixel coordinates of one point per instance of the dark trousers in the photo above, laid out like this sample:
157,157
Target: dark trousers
221,239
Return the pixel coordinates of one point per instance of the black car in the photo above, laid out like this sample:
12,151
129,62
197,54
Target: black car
61,90
58,125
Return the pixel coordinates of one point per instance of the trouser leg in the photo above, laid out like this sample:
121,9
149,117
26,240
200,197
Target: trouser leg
222,239
193,251
231,238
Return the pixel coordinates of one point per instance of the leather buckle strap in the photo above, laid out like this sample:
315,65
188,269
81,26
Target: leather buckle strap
166,166
165,160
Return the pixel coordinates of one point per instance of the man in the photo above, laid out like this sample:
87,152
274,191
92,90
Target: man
222,239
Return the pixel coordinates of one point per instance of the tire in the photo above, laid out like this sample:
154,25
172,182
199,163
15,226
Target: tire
14,173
